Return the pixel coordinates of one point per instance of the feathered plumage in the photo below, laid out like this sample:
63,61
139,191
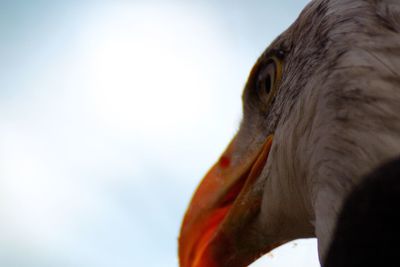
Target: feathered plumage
367,231
328,91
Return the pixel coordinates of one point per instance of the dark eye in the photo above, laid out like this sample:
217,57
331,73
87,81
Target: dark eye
266,81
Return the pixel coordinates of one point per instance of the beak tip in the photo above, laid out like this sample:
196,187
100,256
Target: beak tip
204,240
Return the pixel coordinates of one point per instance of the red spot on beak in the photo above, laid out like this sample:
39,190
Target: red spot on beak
224,162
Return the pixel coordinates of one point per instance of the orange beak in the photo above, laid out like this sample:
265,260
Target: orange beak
221,206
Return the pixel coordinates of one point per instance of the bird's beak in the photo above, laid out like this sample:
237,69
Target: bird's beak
223,204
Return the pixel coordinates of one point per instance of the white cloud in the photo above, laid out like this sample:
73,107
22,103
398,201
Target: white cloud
107,128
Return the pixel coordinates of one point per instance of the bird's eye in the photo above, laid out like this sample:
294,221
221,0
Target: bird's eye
264,80
268,77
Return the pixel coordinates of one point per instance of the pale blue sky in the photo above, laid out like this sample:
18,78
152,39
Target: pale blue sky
110,114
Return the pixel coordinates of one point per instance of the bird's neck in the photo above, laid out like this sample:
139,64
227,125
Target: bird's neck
358,137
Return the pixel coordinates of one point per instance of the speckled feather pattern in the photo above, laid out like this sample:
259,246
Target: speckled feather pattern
335,117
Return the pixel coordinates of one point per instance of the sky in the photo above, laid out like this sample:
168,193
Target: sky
110,114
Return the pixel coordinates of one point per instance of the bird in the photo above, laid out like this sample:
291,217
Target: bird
321,110
366,232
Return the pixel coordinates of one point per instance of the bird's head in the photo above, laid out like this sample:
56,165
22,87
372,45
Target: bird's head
303,108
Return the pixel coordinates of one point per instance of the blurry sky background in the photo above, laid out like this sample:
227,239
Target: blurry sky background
110,114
